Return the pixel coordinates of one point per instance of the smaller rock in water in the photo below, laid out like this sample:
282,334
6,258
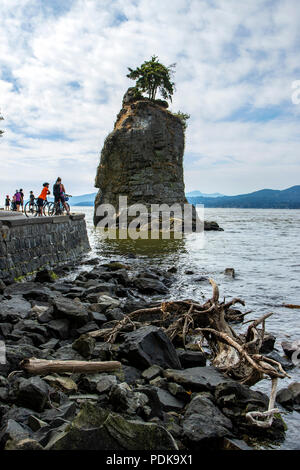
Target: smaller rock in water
290,348
289,397
230,272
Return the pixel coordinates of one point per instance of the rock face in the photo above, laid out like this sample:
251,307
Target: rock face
142,158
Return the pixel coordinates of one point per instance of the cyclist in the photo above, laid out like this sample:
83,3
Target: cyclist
59,195
42,198
7,202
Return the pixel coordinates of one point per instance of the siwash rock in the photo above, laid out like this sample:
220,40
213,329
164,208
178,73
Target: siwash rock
142,158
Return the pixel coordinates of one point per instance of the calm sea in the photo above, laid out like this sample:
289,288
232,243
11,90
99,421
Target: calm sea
264,249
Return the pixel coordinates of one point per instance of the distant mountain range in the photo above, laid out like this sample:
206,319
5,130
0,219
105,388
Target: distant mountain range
199,194
263,199
88,199
83,200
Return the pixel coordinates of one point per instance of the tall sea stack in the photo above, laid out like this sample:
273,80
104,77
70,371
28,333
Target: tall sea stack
142,158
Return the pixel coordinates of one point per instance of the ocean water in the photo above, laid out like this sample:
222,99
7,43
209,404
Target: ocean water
264,249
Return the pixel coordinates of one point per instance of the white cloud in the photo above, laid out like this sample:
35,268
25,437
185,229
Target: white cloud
63,75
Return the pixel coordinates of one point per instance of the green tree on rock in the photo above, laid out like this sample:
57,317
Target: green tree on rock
152,76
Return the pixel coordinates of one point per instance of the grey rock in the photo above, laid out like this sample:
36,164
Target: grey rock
91,326
289,348
126,400
230,272
197,379
13,431
204,425
106,383
24,444
168,401
191,358
14,308
33,393
98,318
114,314
85,345
146,285
97,429
147,346
70,309
152,372
59,328
51,344
268,343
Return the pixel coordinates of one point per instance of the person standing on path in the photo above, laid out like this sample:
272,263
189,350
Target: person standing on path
7,203
22,199
18,199
59,195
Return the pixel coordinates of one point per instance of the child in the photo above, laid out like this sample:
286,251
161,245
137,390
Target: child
13,204
42,198
31,199
7,203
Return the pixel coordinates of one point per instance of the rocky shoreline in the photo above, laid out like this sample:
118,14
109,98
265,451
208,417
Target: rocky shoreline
162,397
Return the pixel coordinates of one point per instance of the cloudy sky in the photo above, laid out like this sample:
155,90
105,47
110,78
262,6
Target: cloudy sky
63,66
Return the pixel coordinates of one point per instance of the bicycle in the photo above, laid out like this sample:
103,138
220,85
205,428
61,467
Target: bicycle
32,209
57,208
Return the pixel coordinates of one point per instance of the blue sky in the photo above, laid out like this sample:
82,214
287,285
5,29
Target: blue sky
63,66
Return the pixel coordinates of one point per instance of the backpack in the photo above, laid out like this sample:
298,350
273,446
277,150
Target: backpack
56,189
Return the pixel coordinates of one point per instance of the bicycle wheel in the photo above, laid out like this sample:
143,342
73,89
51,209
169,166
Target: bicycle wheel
30,209
51,208
27,209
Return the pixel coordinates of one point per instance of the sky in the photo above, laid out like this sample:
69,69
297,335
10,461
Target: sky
63,66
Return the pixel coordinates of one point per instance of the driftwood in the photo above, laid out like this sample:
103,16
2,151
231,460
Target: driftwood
237,356
42,366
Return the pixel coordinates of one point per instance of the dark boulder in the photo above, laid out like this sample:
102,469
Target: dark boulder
147,346
33,393
98,429
191,358
147,285
204,426
13,309
289,397
198,379
72,310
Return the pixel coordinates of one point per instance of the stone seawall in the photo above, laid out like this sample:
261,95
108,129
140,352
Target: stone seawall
30,244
